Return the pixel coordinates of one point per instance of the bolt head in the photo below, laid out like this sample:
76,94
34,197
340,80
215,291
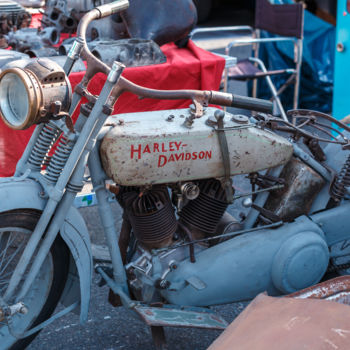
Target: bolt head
247,202
23,310
164,284
219,114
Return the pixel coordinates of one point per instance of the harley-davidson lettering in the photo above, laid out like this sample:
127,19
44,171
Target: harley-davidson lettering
136,152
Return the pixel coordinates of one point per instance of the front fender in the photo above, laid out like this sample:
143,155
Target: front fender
19,193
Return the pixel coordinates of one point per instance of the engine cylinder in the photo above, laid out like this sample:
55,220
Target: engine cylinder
151,216
205,212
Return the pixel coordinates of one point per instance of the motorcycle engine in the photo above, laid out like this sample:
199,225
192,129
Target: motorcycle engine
155,226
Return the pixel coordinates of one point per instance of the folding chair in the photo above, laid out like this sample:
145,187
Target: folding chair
286,21
219,38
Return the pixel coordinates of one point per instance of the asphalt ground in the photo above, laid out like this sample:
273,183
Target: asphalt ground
111,328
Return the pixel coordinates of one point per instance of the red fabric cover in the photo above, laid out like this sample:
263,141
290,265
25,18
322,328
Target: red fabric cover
188,68
36,20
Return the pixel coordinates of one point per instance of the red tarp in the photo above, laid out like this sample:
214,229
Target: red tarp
188,68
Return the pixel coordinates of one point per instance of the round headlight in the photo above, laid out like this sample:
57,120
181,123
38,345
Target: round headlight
31,94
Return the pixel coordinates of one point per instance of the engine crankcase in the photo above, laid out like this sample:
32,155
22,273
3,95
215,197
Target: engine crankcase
279,261
164,147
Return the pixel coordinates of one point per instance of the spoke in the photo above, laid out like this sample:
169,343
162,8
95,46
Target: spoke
6,275
11,257
8,243
3,253
7,240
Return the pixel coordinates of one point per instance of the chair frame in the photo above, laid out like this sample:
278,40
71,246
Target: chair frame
256,41
223,29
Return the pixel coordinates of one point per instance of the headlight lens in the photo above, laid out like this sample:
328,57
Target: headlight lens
14,100
27,95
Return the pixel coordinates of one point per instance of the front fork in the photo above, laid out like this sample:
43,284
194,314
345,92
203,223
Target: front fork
98,181
62,196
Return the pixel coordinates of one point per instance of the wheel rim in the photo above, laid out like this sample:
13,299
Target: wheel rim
12,242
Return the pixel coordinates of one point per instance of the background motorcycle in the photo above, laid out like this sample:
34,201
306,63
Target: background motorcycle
166,266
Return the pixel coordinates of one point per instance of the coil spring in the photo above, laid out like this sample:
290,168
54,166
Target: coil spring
58,160
74,188
341,182
47,137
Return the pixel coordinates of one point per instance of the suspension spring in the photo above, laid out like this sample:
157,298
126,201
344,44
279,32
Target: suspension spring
47,137
341,182
59,159
74,188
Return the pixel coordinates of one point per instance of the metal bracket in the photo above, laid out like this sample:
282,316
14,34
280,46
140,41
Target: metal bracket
174,316
225,153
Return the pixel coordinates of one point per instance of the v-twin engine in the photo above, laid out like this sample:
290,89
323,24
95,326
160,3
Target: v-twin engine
156,226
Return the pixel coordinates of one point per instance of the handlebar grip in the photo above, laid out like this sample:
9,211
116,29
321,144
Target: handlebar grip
113,7
254,104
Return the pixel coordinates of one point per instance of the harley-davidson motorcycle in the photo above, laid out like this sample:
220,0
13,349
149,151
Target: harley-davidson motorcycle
179,251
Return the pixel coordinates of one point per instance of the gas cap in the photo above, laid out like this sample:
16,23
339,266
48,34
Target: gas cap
240,119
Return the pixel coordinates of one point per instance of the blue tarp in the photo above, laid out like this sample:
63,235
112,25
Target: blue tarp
317,71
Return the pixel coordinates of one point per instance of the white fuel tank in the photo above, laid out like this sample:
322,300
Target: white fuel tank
157,147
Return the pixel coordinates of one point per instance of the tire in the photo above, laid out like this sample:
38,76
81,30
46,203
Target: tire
42,298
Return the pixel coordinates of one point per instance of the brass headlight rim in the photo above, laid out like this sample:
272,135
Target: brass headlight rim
34,96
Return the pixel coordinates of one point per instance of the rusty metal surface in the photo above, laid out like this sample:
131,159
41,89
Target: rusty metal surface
302,184
309,125
148,149
290,324
171,317
334,289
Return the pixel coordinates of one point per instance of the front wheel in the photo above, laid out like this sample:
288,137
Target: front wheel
15,229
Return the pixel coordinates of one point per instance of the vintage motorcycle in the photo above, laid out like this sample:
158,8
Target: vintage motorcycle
179,251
